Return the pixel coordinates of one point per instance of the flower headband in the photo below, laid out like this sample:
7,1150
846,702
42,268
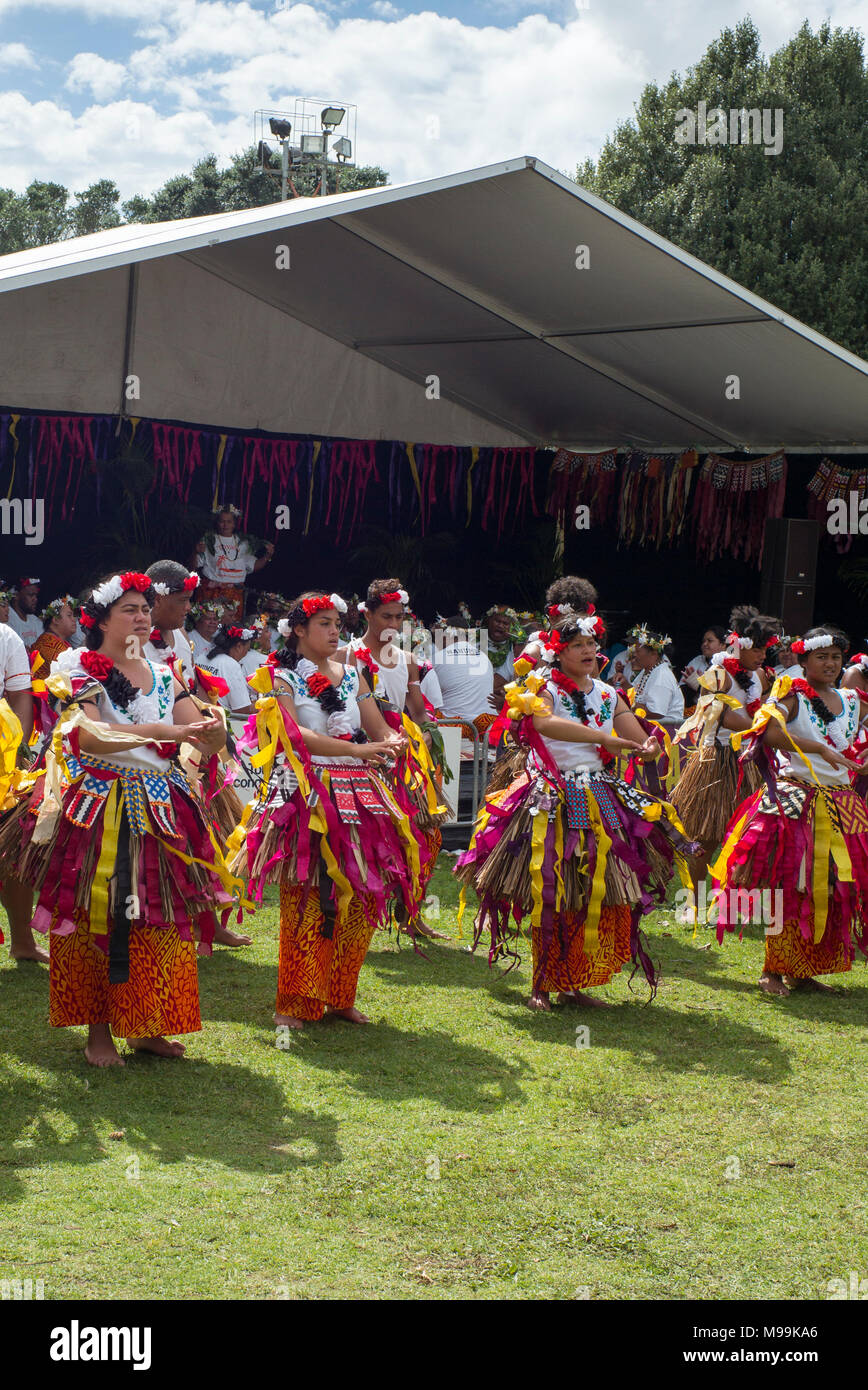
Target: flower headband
563,610
189,585
27,583
397,596
307,608
104,595
208,605
240,634
801,646
227,508
53,609
642,637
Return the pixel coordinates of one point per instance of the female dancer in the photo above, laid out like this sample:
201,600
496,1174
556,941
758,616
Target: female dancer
805,836
396,682
125,867
568,842
326,826
708,790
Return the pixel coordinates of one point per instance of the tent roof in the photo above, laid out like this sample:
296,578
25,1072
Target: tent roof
471,278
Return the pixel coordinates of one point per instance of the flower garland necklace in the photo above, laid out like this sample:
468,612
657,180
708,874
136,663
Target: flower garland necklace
577,699
820,715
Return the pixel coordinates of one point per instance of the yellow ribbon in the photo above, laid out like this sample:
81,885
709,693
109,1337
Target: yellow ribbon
598,886
105,869
425,767
411,455
12,779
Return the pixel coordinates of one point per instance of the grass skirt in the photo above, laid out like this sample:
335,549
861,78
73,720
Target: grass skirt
355,823
565,848
72,872
811,847
708,793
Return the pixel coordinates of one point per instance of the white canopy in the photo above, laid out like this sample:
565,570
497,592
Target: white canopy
332,316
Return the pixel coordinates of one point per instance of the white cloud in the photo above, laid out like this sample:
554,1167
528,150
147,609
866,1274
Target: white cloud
434,95
103,76
16,55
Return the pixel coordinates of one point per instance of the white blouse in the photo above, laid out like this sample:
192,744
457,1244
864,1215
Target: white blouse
154,706
806,724
656,691
744,697
601,703
311,713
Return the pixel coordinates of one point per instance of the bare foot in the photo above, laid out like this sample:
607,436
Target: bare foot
288,1021
351,1015
539,1002
224,937
33,952
100,1050
795,982
773,984
581,1000
423,929
161,1047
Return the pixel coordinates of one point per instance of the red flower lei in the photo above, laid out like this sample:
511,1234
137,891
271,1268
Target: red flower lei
317,684
365,656
97,665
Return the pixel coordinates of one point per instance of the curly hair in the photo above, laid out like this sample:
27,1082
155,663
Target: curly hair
377,588
758,627
578,593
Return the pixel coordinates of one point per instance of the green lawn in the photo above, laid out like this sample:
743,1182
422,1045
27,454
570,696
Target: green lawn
459,1147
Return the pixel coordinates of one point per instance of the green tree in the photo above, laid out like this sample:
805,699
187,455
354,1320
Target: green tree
791,227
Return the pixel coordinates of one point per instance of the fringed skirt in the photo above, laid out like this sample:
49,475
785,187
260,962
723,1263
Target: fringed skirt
809,848
709,791
351,829
111,851
560,852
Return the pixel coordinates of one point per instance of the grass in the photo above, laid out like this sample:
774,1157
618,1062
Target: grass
459,1147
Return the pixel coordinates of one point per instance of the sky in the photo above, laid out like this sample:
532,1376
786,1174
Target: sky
138,90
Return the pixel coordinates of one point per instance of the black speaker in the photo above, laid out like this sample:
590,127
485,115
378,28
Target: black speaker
790,551
792,603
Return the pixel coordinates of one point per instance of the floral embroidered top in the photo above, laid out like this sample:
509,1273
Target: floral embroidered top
600,704
840,733
311,713
153,706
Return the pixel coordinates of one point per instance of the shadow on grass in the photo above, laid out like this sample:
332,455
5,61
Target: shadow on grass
172,1112
671,1040
384,1061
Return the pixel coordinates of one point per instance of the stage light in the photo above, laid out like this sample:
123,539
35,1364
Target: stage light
280,128
332,116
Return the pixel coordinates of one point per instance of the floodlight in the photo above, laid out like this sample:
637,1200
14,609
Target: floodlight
280,128
313,144
342,148
332,116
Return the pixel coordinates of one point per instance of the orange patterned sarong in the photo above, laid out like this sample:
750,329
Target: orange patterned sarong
160,997
575,970
789,953
313,970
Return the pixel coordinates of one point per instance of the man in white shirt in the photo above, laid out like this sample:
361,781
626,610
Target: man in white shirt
22,611
465,674
15,689
174,587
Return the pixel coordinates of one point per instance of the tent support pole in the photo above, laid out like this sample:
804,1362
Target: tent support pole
132,296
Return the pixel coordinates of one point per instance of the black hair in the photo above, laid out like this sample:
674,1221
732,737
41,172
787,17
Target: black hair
376,589
119,690
758,627
842,643
578,593
719,632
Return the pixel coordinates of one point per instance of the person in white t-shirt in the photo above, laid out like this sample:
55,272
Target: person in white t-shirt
22,611
654,685
231,645
788,661
207,616
713,641
260,647
465,674
15,689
